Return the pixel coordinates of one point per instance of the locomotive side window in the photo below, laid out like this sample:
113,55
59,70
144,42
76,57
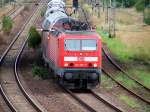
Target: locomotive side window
89,45
72,45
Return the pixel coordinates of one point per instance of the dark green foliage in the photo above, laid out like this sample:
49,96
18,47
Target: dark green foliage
7,24
147,21
40,71
129,3
125,3
147,15
139,5
34,38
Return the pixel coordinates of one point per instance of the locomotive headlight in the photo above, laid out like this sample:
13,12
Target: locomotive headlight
66,64
91,59
95,65
70,59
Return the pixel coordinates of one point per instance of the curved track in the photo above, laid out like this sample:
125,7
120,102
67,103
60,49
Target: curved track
141,95
100,104
13,92
107,54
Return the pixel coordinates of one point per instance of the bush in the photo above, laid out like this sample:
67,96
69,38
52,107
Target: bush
139,5
40,71
7,24
147,16
34,38
147,21
130,3
126,3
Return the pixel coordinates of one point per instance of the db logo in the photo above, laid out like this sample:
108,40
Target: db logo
80,58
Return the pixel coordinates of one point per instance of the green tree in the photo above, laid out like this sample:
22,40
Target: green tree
7,24
147,16
34,38
140,5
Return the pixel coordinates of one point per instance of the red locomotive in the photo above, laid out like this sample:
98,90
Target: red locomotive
72,50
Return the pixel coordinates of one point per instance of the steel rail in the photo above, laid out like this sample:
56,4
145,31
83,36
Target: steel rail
130,91
28,97
15,38
5,97
106,102
93,94
121,69
10,13
89,108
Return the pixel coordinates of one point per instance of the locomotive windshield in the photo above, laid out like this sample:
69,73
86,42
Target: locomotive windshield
80,45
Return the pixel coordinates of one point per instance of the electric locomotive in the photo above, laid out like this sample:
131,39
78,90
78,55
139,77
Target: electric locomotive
71,49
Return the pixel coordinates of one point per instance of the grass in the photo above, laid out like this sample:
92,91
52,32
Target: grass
123,52
133,103
129,101
107,83
142,75
126,81
117,47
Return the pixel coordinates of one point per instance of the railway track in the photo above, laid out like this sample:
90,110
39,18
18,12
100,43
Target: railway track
12,14
92,101
106,52
13,93
144,95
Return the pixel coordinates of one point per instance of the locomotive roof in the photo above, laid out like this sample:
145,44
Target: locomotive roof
87,32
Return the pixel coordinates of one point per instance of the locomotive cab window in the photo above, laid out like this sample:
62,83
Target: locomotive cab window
72,45
80,45
89,45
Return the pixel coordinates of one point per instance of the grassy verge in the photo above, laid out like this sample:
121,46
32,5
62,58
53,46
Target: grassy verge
132,85
123,52
133,103
126,81
142,75
132,57
129,101
117,47
107,83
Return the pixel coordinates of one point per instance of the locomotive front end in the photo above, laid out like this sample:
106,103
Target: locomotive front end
81,60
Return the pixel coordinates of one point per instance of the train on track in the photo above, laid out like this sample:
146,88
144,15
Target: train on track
71,48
